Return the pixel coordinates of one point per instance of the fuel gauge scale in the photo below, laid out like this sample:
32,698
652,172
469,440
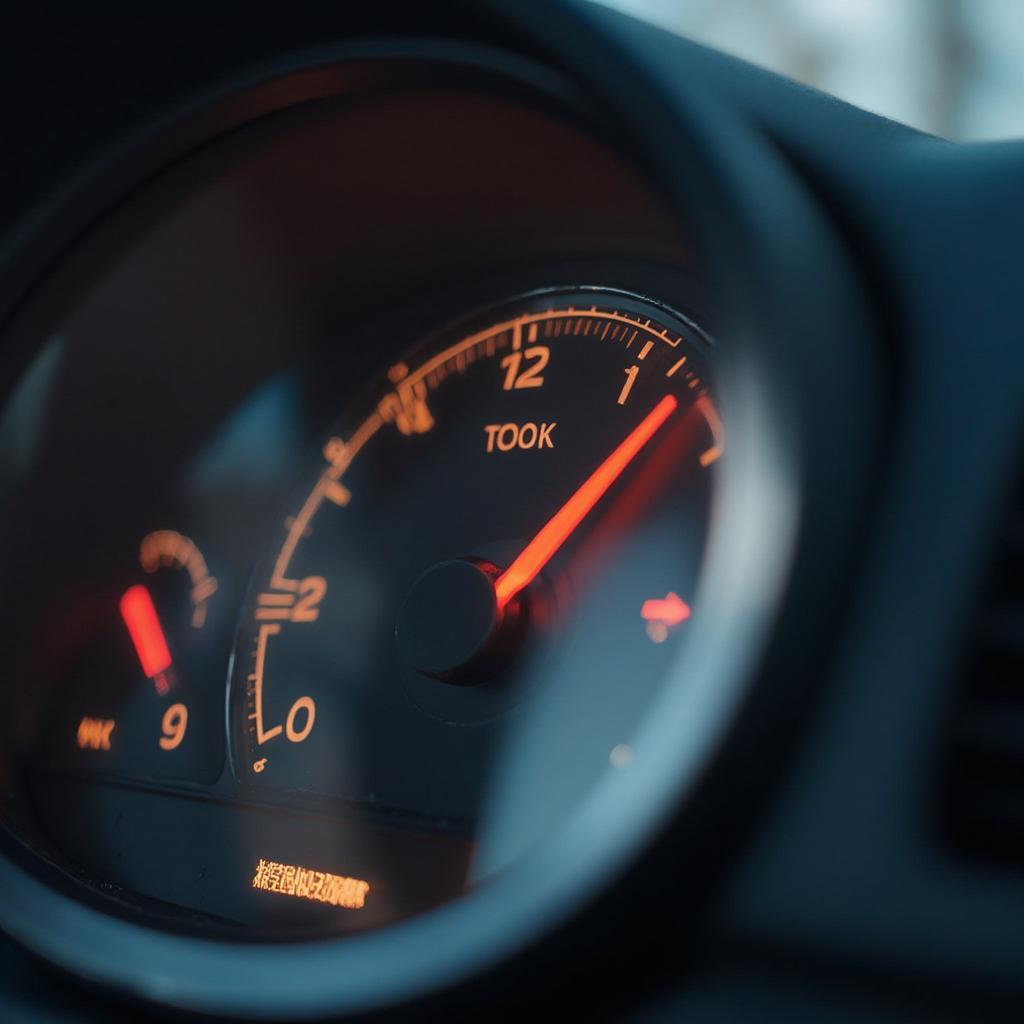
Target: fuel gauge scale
141,703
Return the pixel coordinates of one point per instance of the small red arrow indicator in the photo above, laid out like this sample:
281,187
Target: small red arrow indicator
670,610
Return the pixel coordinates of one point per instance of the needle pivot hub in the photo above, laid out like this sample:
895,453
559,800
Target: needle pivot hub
450,626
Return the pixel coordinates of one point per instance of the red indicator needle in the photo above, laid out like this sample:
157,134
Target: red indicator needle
144,627
556,531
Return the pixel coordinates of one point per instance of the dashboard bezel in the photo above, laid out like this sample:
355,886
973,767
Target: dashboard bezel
456,942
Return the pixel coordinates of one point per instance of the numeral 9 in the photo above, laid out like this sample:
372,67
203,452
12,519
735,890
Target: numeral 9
174,724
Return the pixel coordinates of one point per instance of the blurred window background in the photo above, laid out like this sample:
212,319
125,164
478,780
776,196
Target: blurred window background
951,67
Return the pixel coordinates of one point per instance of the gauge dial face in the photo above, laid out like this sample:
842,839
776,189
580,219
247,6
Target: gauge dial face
477,592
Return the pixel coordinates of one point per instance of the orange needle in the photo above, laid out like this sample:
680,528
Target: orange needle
556,531
147,635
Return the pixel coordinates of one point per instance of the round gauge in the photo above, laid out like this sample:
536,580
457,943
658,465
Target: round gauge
462,622
477,593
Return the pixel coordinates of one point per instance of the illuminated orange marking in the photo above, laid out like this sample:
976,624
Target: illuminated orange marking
432,373
503,437
671,609
94,733
289,523
334,451
406,407
537,356
557,530
308,705
273,614
174,724
262,735
279,578
308,884
645,350
674,368
552,321
292,607
140,617
628,386
169,549
531,334
312,591
293,732
203,591
337,492
710,413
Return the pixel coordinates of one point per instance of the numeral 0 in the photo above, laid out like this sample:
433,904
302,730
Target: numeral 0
308,705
